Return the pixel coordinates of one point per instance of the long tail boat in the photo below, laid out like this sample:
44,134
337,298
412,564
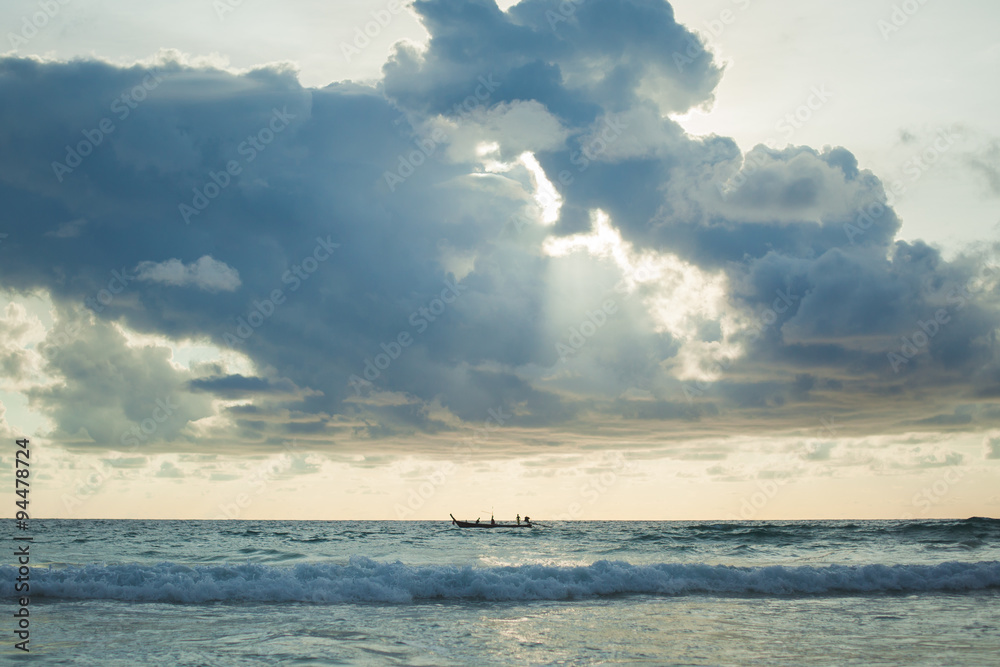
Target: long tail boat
492,524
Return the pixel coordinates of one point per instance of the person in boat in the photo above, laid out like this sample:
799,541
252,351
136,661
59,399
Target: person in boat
527,520
493,521
477,519
519,519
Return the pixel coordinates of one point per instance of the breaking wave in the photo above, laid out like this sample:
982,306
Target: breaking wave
365,580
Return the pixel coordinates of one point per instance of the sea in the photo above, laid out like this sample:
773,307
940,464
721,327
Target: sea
302,593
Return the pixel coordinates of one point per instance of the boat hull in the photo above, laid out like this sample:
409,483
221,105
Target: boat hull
470,524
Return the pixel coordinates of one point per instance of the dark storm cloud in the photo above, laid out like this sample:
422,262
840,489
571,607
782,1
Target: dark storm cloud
232,386
318,181
579,60
249,211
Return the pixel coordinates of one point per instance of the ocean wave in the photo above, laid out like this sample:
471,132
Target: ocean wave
365,580
956,527
979,530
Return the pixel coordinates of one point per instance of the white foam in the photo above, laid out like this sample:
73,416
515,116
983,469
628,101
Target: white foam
365,580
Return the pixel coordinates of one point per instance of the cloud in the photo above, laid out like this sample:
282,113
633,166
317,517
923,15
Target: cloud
108,394
127,462
169,470
232,386
819,451
746,291
19,331
986,161
609,55
206,273
6,431
991,447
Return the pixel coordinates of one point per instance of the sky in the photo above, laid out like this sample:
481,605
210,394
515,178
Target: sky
596,259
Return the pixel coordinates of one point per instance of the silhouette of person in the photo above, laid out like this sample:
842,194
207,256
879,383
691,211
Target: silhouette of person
493,521
527,520
519,519
477,519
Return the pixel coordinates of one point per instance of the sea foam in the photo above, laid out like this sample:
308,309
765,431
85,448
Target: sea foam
365,580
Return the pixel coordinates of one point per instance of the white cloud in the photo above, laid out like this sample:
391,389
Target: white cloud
514,127
20,331
991,446
679,296
207,273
